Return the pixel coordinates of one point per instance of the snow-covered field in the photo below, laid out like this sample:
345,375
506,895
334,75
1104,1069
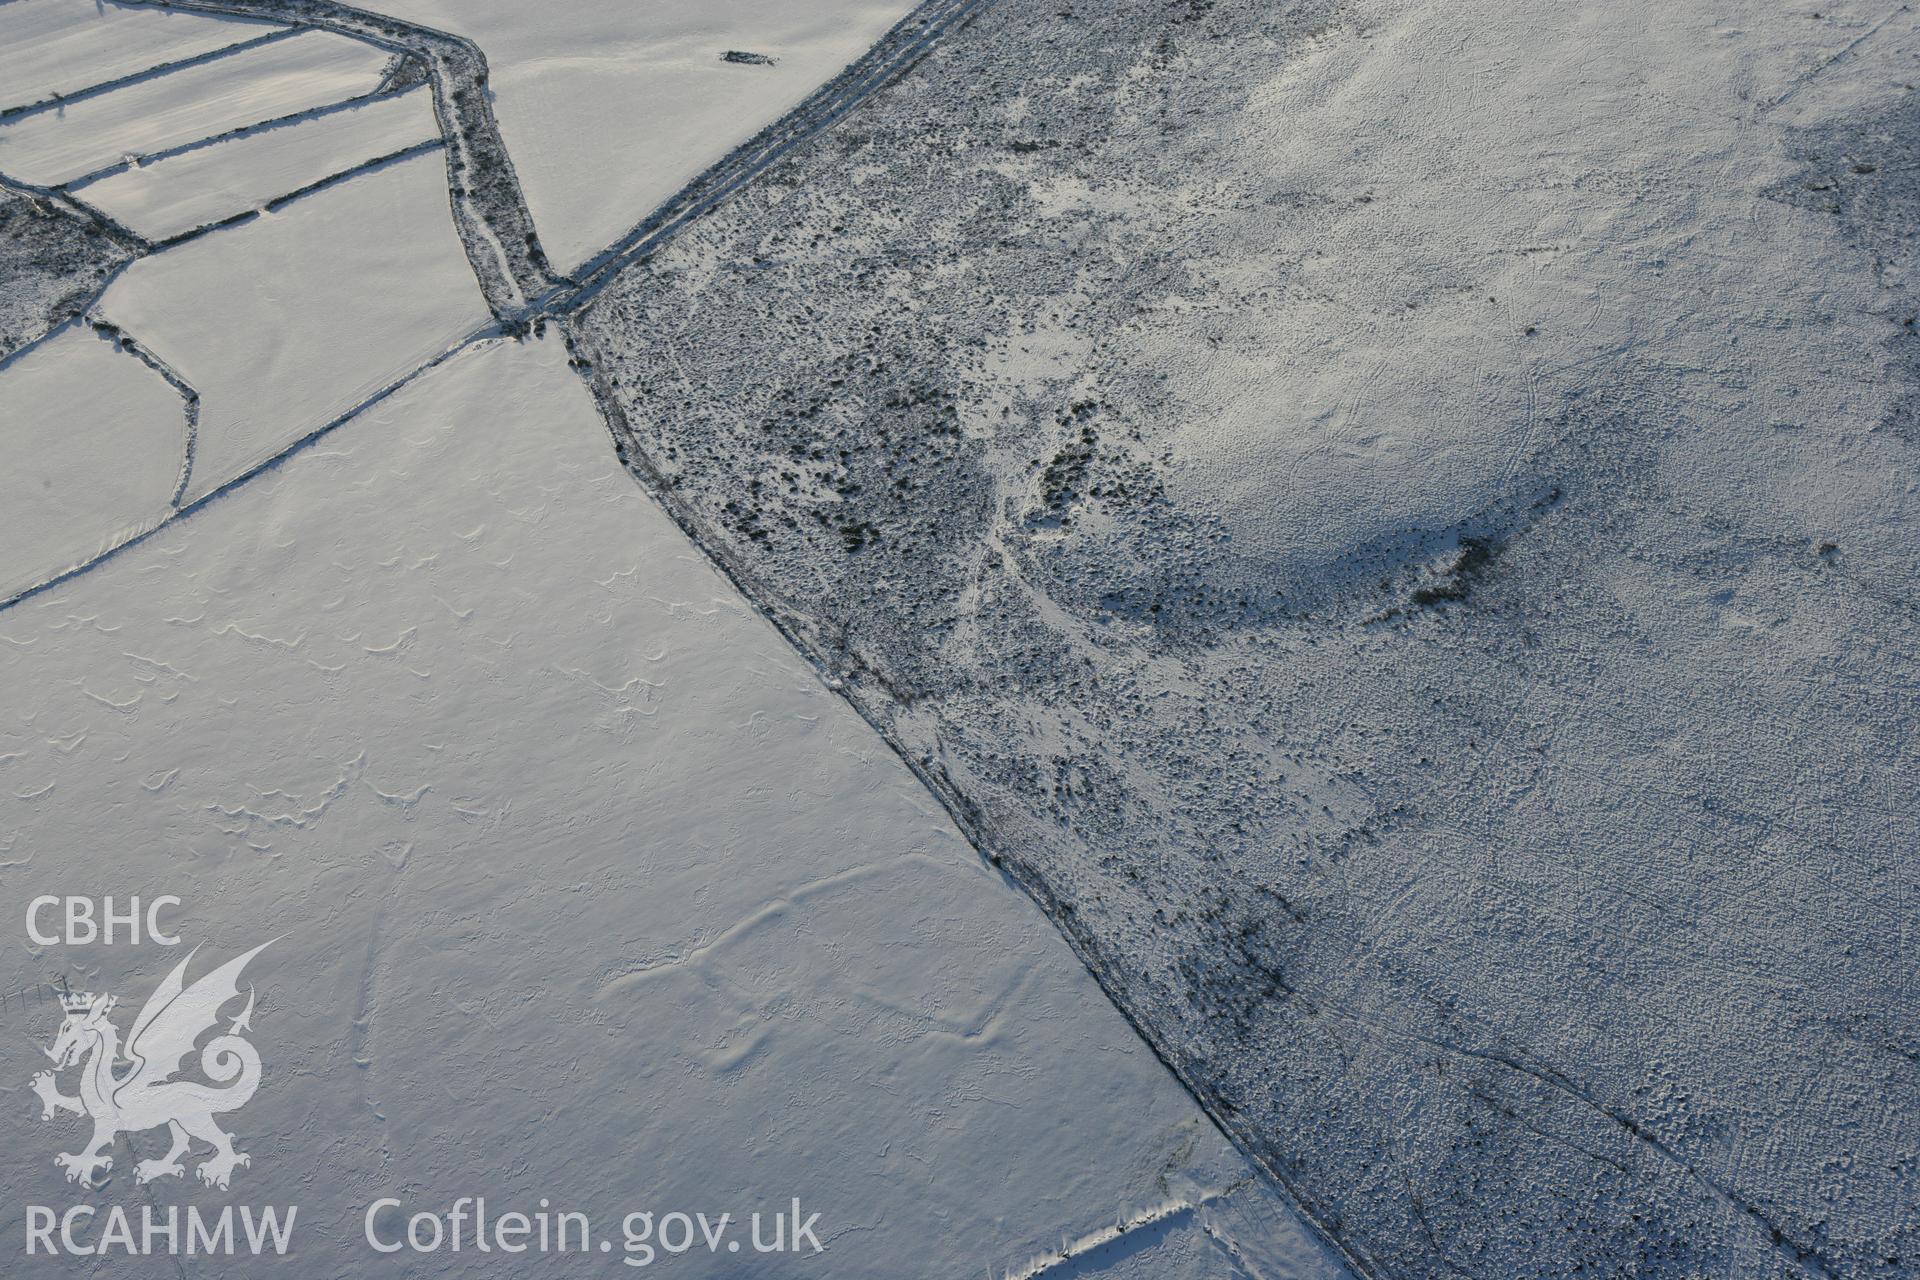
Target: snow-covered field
206,185
52,48
1389,524
285,322
99,439
266,81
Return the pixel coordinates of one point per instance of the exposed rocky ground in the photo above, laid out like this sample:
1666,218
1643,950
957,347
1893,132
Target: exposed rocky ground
1448,669
1864,173
53,262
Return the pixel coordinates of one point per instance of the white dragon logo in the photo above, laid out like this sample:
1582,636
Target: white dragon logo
146,1096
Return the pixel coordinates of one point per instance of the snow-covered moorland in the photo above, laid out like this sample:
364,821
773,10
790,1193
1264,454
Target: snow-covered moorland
1390,521
1396,520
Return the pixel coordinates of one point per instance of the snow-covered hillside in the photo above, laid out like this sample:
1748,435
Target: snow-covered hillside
1397,521
1140,639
